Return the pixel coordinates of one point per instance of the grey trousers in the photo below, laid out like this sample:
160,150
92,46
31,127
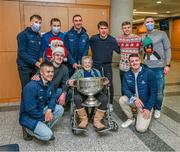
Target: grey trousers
141,123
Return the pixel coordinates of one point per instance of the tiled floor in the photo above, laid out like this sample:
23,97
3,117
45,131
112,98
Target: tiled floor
163,134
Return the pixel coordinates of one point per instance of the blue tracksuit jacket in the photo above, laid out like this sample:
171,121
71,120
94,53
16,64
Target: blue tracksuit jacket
29,46
35,97
146,84
77,45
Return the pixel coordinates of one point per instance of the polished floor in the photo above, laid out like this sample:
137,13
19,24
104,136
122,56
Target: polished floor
162,135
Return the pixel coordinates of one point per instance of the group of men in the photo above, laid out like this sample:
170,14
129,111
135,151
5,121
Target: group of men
43,98
143,85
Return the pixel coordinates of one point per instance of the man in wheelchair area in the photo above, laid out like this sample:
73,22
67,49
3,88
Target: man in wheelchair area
85,72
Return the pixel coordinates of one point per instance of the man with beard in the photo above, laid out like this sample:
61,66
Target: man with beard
77,43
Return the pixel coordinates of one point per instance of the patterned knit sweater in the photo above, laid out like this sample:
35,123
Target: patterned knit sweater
161,48
128,45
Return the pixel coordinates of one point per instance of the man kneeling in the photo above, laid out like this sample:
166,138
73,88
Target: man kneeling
140,89
88,71
39,111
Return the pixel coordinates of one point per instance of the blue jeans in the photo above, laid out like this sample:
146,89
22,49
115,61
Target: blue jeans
159,72
43,129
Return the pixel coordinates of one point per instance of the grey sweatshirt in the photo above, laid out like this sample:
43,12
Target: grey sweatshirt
61,75
161,48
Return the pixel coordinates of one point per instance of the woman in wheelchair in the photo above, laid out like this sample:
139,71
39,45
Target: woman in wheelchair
85,72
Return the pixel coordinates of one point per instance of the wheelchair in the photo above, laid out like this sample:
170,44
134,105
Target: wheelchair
90,104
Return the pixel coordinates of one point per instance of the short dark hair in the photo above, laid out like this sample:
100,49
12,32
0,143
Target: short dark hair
125,23
134,55
48,64
148,17
102,23
35,16
76,15
54,20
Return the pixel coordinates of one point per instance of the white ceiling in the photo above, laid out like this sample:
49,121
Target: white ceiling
161,9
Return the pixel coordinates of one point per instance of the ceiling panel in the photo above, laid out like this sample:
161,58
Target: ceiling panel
151,6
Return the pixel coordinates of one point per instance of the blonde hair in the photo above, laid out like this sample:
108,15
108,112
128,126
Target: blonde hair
85,58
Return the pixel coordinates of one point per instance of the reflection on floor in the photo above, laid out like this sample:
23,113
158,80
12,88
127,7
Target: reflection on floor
163,134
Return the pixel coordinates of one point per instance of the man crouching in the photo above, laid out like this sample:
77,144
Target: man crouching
39,111
140,89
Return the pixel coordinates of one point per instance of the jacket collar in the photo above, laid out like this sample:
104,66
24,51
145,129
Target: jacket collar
143,67
83,30
40,82
29,29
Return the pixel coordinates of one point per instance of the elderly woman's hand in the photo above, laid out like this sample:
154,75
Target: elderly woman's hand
71,82
105,81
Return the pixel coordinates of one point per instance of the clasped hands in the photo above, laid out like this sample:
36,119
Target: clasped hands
139,104
48,115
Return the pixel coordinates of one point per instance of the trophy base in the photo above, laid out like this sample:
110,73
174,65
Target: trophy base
91,102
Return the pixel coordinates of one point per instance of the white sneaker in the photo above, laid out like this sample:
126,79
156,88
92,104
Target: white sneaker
128,122
111,107
157,114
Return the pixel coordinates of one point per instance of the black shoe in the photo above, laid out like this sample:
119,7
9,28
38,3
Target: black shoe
52,138
26,135
67,106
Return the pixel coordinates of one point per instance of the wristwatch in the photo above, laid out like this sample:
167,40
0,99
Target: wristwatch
169,65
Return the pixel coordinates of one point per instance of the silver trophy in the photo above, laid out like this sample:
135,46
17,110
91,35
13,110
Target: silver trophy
90,87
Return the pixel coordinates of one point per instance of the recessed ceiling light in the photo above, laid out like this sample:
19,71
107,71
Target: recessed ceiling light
168,11
134,10
151,13
138,20
158,2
